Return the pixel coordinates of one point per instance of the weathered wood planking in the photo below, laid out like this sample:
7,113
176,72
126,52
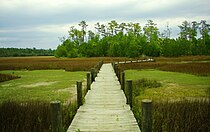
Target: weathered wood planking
105,107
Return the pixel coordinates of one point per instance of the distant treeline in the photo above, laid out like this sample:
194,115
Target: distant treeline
131,40
16,52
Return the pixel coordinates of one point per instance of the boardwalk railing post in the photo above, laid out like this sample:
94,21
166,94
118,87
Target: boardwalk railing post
56,116
146,115
117,72
92,75
129,92
88,80
79,94
100,64
114,66
123,81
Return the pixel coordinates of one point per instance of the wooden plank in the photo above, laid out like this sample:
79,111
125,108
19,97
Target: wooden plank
105,107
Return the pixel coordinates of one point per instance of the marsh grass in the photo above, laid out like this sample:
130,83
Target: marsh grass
33,116
177,116
43,63
196,65
171,114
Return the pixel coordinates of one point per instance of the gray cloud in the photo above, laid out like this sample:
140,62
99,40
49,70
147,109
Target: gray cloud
39,22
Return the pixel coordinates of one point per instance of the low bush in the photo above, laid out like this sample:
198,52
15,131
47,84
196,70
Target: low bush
7,77
140,85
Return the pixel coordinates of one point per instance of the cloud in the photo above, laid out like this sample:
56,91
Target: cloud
43,21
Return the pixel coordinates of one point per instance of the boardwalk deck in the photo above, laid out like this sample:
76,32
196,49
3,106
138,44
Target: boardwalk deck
105,107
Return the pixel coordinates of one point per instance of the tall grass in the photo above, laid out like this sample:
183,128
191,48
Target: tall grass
173,116
181,116
43,63
31,116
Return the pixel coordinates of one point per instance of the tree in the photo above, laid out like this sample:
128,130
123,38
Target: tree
128,40
113,27
151,31
167,32
184,33
75,35
205,30
122,27
83,31
91,35
61,51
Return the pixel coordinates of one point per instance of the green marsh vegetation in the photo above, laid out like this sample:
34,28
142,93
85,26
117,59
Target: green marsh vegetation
179,89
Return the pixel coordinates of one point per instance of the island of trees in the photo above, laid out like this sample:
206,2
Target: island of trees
131,40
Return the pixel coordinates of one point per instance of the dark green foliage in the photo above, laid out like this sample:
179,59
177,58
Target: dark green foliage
15,52
7,77
33,116
67,49
128,40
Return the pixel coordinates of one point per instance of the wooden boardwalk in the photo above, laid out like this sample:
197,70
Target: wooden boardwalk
105,107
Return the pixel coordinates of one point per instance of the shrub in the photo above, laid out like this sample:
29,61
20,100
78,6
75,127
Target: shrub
7,77
142,84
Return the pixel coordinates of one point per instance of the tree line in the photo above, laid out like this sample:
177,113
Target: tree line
18,52
131,40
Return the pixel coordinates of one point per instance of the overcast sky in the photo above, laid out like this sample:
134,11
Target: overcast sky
39,23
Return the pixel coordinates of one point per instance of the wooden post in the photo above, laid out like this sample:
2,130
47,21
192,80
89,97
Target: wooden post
123,81
56,116
100,64
79,94
92,75
146,115
116,70
115,65
129,92
88,80
119,75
